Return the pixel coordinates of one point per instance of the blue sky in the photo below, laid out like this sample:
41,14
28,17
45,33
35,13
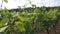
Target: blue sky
15,3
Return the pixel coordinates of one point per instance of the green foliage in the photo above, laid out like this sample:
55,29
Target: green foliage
21,22
48,18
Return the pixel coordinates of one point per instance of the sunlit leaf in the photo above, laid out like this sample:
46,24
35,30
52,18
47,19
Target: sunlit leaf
20,26
4,20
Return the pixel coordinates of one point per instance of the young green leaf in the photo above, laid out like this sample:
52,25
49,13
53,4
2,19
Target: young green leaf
6,1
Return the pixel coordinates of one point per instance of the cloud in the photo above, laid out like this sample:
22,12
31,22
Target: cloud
43,2
39,3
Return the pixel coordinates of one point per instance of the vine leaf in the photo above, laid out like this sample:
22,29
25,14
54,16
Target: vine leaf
20,26
6,1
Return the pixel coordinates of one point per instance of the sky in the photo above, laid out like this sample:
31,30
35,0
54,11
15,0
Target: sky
15,3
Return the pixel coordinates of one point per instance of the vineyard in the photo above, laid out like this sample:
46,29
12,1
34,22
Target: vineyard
35,20
28,21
